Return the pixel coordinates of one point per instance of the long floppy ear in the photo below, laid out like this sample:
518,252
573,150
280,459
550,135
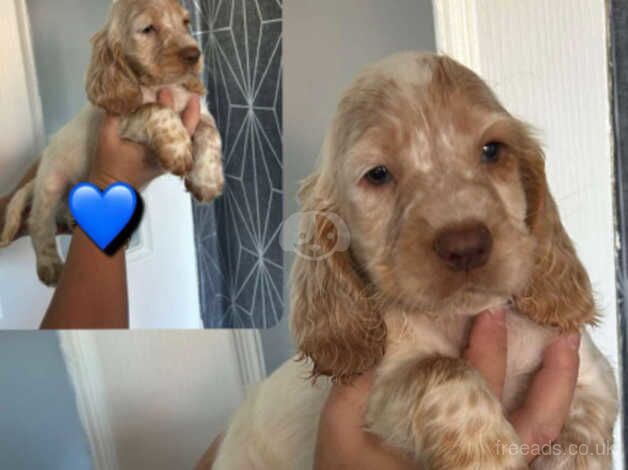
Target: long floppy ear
111,84
559,292
333,319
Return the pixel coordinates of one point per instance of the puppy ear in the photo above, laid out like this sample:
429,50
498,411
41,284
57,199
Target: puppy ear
333,320
559,292
111,84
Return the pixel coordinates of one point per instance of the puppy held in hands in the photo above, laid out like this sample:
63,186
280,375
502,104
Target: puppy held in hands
144,47
445,197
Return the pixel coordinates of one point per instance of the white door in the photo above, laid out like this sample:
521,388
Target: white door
161,262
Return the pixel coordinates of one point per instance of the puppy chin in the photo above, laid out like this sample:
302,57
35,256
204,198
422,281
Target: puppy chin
471,302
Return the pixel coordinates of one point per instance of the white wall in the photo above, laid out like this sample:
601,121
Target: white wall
152,399
326,42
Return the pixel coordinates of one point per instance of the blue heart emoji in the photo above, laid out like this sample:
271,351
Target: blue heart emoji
103,215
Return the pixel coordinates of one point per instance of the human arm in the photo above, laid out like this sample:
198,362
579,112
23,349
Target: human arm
92,291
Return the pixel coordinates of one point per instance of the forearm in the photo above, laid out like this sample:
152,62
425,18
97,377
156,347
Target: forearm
92,291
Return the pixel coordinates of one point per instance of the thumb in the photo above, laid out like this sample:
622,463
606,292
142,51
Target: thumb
109,130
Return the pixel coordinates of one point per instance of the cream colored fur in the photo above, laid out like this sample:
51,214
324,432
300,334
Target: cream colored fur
275,428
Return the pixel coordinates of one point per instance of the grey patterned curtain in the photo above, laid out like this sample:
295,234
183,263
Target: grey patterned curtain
240,261
618,22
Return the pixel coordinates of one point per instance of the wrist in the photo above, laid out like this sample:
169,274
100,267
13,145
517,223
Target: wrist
103,180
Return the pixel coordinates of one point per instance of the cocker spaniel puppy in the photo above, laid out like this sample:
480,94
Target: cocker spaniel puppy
145,46
449,212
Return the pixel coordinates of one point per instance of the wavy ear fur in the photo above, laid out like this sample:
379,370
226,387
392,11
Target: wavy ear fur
333,319
111,83
559,292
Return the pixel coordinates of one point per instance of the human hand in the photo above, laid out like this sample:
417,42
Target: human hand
343,442
542,416
118,159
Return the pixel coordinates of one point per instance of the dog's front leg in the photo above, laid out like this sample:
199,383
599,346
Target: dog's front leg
206,179
162,130
441,412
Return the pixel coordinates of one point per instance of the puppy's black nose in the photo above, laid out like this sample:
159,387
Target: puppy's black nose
190,55
465,247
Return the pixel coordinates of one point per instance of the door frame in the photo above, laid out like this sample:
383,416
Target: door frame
84,365
39,133
618,56
22,120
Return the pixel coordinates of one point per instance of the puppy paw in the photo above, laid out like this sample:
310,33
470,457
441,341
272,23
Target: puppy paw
206,180
176,156
49,272
14,214
5,240
444,415
204,191
10,229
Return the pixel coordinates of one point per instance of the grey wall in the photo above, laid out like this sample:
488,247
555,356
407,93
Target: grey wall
39,424
326,42
62,52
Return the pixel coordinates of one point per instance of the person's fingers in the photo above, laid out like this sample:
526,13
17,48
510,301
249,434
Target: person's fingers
487,350
346,402
109,129
192,114
165,98
544,412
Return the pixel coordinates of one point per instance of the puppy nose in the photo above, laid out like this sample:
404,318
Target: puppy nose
464,248
190,55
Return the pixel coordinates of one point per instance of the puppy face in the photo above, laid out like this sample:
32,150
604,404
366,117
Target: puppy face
156,40
447,204
145,43
430,182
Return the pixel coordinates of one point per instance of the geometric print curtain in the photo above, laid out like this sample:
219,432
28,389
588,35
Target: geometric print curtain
240,261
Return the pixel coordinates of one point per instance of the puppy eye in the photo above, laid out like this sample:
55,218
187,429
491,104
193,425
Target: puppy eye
378,176
186,22
149,29
490,152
